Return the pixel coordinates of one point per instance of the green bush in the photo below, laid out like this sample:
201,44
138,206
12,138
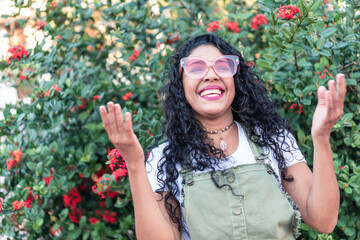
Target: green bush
56,148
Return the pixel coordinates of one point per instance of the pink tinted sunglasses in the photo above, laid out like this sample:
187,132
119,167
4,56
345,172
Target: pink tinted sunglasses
197,67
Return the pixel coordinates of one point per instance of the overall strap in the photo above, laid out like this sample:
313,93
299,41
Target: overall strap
187,170
258,153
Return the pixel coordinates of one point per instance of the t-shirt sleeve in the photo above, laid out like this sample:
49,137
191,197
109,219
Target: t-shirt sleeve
152,167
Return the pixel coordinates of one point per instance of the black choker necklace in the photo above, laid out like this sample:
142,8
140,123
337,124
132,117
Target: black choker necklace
223,144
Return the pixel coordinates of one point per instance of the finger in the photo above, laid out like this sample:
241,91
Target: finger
119,117
321,96
104,117
128,122
111,117
341,88
329,102
332,89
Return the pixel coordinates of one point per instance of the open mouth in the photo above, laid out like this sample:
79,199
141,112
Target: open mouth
210,93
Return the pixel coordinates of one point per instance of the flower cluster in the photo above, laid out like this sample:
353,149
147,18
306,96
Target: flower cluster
213,26
288,12
70,201
15,158
18,204
172,39
96,97
233,26
55,87
135,54
322,74
57,232
24,74
294,106
17,53
258,20
127,96
48,179
39,25
116,159
1,207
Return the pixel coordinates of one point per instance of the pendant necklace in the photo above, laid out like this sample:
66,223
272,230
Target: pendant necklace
223,144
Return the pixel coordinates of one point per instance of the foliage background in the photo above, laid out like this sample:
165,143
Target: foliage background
117,50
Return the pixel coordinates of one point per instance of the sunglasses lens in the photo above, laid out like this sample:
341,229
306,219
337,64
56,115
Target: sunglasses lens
195,68
225,67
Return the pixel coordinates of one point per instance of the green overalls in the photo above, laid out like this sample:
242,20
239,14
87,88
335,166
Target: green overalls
255,207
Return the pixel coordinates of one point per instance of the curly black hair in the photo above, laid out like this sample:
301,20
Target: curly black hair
186,135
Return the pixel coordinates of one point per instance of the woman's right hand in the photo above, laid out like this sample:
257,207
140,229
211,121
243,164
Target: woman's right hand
121,134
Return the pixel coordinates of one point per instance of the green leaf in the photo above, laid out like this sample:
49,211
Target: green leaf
39,222
351,82
328,32
339,45
320,43
6,113
324,52
263,8
286,31
74,234
303,8
301,135
83,116
355,75
349,231
263,64
31,165
315,4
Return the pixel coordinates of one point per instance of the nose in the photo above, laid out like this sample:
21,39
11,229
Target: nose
211,74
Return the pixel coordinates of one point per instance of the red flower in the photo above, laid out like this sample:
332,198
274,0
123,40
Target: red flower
39,25
288,12
75,215
172,39
233,26
102,204
57,232
10,163
48,179
17,53
135,54
112,194
110,217
116,159
17,155
213,26
258,20
18,204
150,133
72,198
93,220
250,64
96,97
26,76
1,207
119,174
57,89
293,106
341,167
127,96
30,198
53,4
82,106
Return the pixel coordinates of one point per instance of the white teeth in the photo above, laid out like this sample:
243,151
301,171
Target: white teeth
214,92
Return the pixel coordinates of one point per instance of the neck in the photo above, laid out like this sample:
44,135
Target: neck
213,124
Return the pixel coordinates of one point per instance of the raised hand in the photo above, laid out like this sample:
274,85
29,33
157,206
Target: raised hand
329,108
121,134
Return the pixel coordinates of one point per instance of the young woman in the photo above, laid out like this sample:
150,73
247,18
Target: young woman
230,168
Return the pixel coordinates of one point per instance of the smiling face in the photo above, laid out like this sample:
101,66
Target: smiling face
210,96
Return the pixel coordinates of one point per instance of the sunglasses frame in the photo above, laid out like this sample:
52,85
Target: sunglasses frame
209,64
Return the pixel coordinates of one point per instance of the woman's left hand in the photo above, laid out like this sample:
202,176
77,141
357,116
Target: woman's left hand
329,109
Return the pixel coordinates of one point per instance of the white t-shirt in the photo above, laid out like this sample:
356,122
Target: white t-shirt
242,155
